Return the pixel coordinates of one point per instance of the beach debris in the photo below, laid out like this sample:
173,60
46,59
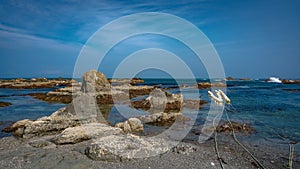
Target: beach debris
212,163
291,154
184,149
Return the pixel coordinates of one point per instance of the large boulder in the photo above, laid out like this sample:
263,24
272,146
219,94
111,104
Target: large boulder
94,81
125,147
85,132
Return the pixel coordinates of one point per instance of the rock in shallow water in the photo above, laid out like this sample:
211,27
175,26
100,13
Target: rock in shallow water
94,81
163,119
58,121
4,104
159,101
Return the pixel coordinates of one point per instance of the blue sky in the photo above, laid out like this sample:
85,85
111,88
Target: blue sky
254,39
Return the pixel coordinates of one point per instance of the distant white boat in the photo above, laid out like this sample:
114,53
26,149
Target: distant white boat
274,80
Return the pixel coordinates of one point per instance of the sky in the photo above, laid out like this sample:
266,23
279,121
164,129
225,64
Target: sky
255,39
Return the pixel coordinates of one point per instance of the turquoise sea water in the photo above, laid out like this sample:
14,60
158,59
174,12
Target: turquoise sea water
273,109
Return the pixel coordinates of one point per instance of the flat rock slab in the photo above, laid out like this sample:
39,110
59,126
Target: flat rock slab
85,132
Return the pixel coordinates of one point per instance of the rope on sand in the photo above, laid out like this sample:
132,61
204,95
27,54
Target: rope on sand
239,143
219,99
217,151
291,156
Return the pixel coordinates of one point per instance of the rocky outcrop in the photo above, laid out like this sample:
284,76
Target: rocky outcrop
111,97
81,111
132,81
126,147
193,104
135,91
4,104
205,85
230,78
158,101
241,79
94,81
85,132
163,119
52,98
35,83
131,125
291,81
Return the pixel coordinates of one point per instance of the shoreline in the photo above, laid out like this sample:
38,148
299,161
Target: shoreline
52,139
19,152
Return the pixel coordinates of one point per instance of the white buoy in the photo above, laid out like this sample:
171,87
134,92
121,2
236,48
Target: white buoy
216,99
224,96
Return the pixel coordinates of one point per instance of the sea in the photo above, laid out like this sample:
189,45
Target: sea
272,109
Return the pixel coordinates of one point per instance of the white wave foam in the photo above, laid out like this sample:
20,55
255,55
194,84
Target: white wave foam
274,80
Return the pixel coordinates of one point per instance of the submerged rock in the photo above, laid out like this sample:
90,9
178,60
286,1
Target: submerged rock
52,98
292,90
4,104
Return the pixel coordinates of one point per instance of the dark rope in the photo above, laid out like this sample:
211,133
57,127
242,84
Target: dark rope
239,143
